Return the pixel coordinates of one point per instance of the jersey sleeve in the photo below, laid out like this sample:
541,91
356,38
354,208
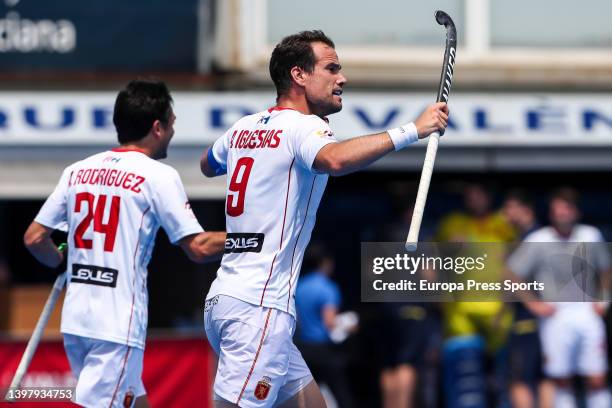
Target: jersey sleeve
54,212
522,262
172,207
217,155
313,134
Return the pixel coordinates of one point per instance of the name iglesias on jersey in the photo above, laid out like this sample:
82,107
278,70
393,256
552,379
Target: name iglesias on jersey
255,139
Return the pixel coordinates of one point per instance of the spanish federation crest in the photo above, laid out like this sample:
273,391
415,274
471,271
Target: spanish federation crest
128,398
263,388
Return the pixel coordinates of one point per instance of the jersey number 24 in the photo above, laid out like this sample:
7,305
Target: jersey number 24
95,213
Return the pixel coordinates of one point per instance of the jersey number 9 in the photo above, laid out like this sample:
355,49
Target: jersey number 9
238,185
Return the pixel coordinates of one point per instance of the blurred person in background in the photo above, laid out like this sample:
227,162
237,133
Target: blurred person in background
476,332
318,300
278,162
112,205
519,210
410,346
528,387
572,333
478,222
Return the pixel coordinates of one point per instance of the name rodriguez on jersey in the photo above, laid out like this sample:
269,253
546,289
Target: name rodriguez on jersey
107,177
470,284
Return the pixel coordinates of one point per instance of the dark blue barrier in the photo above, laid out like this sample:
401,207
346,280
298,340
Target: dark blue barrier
98,35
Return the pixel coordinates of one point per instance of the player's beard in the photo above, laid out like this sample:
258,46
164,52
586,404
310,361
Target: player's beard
162,151
325,107
164,143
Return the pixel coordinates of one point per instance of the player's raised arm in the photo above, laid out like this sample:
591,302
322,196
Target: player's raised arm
37,240
351,155
204,247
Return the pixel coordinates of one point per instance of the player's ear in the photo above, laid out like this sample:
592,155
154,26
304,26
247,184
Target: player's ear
157,127
298,75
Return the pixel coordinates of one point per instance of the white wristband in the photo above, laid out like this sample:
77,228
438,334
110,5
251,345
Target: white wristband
404,135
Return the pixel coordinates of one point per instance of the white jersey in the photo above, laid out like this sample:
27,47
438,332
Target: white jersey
273,196
112,205
549,257
580,233
573,337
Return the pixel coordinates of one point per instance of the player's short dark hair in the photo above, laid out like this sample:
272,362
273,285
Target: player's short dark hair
567,194
138,106
294,50
521,196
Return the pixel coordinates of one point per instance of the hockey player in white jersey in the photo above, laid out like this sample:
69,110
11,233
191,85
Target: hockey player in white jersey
572,332
277,164
112,204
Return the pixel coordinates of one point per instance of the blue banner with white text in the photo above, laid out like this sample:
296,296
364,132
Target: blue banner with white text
101,36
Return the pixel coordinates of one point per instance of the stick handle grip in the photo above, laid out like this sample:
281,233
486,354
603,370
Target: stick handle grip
26,358
421,199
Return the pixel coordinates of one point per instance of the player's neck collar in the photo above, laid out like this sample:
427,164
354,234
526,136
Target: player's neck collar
282,108
122,149
279,108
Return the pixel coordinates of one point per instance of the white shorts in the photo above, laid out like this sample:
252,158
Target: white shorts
574,342
108,374
259,366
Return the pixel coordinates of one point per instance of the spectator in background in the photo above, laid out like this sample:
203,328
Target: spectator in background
409,348
519,211
475,331
409,342
318,301
478,222
524,348
572,333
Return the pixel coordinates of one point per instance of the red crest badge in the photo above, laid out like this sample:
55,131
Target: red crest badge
263,388
128,399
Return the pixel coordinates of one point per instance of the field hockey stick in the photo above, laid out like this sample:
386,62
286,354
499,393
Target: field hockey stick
32,345
446,79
